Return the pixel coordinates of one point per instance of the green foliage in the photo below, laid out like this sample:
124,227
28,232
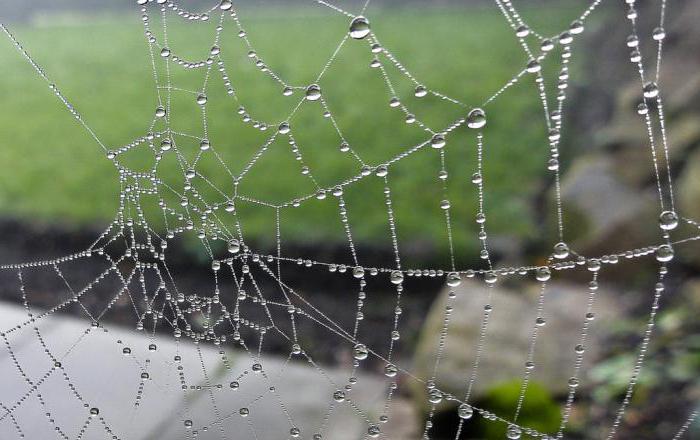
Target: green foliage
539,411
55,172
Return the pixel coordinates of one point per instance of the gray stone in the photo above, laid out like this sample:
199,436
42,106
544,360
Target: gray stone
603,214
509,332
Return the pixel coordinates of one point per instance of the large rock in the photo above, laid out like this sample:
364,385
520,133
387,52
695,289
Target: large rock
509,333
602,213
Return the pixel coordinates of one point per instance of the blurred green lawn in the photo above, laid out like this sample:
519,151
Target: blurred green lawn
54,172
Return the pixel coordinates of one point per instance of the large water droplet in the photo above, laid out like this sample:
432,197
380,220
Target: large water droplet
659,34
522,31
668,220
476,118
360,352
234,246
313,92
453,279
513,432
359,27
664,253
358,272
397,277
651,90
438,141
435,396
561,250
543,274
465,411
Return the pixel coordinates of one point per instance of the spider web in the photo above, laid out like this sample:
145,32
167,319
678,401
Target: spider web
250,302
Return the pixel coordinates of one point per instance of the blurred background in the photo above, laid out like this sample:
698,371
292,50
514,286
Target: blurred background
58,191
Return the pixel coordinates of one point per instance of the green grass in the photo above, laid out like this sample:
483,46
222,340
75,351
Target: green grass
54,172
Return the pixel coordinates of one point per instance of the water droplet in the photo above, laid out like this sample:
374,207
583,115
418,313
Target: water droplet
477,178
339,396
453,279
522,31
94,412
421,91
543,274
434,396
659,34
561,250
513,432
438,141
668,220
359,27
382,171
294,432
576,27
465,411
287,91
244,412
160,111
573,382
547,45
188,423
360,352
283,128
234,245
390,370
313,92
225,5
593,265
533,66
565,38
651,90
201,99
396,277
126,351
445,204
476,118
490,277
373,431
204,145
165,52
664,253
358,272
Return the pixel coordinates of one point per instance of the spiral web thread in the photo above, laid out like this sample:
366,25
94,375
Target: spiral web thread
134,252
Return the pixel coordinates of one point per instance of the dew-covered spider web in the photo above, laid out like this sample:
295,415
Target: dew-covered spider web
252,303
